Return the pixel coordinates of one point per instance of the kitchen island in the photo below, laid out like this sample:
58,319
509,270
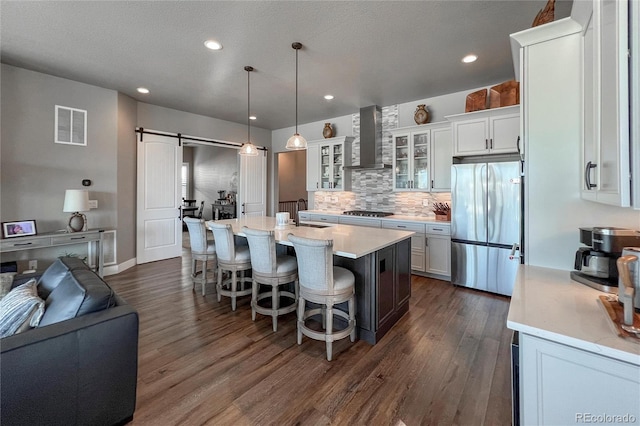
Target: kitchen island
379,259
572,364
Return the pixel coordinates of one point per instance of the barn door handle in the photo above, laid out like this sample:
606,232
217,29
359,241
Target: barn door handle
242,208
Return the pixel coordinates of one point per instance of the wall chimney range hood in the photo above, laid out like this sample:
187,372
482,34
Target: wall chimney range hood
370,139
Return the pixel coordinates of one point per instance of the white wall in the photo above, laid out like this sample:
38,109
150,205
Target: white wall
35,170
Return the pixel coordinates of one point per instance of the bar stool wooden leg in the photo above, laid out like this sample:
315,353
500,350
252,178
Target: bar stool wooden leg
274,307
219,284
329,331
234,289
254,299
352,317
301,306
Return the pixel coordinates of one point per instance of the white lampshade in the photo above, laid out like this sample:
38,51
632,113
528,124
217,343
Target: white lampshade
76,200
296,142
248,149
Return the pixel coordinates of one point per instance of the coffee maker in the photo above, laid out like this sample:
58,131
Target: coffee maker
595,265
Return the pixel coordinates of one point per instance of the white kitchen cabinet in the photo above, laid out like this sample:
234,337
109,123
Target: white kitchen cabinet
418,259
441,159
438,250
560,383
606,142
313,167
326,162
422,157
490,131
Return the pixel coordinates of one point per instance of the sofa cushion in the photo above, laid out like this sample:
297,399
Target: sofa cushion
21,309
56,272
6,282
80,292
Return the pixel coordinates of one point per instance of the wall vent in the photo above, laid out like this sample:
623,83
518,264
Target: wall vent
71,126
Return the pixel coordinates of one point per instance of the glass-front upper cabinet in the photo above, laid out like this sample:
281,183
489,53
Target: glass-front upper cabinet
335,154
411,161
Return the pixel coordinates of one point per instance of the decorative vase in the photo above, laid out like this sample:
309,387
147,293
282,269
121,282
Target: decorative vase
327,132
422,115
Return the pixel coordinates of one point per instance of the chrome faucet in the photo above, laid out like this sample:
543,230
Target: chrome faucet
297,218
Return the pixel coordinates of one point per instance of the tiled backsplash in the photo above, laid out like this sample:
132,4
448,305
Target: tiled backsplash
373,189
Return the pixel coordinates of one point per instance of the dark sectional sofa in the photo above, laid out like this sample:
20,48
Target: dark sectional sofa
80,365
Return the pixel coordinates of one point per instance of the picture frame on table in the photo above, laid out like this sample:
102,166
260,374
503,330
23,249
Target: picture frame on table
19,228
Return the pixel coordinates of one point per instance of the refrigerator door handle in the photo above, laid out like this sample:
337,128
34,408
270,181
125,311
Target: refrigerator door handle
515,248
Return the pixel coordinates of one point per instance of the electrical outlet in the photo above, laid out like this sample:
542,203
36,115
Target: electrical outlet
425,203
93,204
33,264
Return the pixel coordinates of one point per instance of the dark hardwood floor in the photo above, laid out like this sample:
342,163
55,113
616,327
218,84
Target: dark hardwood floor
447,361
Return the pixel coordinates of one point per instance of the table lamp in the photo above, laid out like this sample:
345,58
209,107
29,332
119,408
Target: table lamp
76,201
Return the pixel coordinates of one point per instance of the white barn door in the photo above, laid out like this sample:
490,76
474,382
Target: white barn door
252,189
159,228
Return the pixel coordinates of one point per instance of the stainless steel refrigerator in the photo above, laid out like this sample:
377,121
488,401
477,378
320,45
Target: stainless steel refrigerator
486,227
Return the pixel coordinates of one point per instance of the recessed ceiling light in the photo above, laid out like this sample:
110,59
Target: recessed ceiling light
252,117
143,90
469,58
328,97
213,45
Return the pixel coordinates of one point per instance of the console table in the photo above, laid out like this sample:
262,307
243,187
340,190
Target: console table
52,239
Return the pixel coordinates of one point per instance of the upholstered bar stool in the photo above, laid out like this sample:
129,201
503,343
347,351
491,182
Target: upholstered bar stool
270,269
324,284
201,249
233,258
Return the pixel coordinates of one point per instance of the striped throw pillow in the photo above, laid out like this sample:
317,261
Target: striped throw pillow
21,309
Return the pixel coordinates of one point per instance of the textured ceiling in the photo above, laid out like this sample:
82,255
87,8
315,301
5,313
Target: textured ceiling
362,52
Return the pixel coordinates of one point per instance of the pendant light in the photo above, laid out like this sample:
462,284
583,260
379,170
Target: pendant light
248,148
296,142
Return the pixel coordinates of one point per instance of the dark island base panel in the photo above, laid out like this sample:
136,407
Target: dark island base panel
383,289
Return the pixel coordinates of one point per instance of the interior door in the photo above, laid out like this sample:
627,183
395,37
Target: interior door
159,229
252,189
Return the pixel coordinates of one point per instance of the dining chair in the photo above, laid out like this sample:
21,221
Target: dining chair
273,270
234,258
327,285
200,210
201,249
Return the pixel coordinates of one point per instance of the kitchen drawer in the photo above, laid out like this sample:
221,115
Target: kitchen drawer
404,226
439,229
71,238
323,218
23,243
360,221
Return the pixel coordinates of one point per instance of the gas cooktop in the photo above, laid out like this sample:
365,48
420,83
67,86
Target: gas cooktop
366,213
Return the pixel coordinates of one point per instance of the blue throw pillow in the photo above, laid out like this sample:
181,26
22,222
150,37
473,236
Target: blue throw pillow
21,309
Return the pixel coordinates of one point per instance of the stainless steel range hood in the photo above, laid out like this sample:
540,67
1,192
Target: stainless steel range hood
370,139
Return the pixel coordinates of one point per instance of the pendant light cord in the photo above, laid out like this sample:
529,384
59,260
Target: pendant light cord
297,91
248,107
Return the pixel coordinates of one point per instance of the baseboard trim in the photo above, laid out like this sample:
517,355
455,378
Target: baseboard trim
116,269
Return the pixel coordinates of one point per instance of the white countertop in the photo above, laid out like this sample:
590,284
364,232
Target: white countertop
546,303
421,219
348,241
